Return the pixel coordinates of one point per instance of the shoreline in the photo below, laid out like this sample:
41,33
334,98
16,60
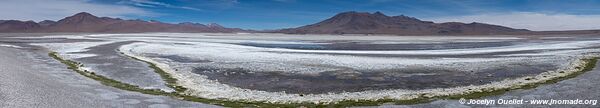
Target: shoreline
579,66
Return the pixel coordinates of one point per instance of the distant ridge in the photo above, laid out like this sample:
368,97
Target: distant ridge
378,23
18,26
86,22
342,23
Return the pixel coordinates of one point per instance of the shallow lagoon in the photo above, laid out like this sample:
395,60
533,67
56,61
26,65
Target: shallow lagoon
309,64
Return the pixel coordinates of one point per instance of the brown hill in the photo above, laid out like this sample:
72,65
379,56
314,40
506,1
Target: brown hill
378,23
342,23
18,26
86,22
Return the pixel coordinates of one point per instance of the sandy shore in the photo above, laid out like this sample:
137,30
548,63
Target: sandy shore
31,79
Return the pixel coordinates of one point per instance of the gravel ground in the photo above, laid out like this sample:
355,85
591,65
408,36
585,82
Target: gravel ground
31,79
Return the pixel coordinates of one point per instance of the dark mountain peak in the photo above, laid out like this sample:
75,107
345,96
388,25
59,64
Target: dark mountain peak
214,25
155,21
353,22
30,21
17,26
376,17
46,23
192,24
366,20
452,23
379,14
82,18
354,14
137,20
477,23
86,22
347,12
84,15
109,18
18,22
406,17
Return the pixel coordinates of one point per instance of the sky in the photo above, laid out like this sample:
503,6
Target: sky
539,15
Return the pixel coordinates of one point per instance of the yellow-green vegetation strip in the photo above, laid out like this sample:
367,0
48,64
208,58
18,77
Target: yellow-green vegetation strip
588,66
172,82
75,66
104,80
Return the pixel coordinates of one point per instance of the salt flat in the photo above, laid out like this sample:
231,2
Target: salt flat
321,68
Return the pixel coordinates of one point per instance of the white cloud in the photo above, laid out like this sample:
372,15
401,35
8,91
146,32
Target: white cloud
38,10
148,3
531,21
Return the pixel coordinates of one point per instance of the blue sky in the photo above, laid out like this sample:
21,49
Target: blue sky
273,14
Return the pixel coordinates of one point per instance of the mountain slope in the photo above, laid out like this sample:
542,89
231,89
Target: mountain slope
378,23
46,23
18,26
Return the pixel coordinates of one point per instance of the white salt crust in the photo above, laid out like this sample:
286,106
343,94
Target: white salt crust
200,86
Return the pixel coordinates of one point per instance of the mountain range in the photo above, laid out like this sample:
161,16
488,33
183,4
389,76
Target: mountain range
342,23
86,22
379,23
